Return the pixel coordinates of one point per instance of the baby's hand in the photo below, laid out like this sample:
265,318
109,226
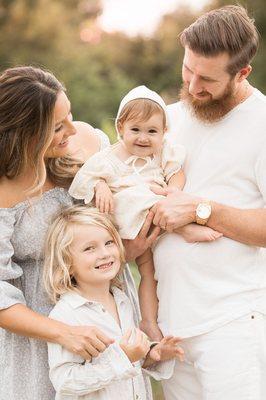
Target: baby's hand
167,349
135,344
104,198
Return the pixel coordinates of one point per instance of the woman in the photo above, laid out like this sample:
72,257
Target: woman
40,153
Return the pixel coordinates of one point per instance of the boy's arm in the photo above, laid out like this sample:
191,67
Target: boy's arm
70,375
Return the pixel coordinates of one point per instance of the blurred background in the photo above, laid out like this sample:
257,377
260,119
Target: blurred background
100,49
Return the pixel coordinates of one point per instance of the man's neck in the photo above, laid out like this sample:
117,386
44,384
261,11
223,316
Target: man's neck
244,92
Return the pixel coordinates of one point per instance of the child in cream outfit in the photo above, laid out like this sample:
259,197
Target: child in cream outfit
121,176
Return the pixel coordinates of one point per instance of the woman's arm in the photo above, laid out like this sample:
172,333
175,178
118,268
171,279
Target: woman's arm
87,341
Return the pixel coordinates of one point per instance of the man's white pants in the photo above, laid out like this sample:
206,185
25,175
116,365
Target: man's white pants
228,363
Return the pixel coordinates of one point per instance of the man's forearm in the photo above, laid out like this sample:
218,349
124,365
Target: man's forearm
245,226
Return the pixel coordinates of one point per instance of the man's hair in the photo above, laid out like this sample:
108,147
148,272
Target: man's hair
225,30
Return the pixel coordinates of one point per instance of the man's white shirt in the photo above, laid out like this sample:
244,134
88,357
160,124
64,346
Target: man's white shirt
202,286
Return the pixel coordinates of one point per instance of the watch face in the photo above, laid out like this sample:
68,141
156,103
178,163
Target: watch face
203,211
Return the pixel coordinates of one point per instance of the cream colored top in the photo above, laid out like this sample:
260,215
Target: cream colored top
129,183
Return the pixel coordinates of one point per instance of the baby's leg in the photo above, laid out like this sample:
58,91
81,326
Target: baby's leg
198,233
147,296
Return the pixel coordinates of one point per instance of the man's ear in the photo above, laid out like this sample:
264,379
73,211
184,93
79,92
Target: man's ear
244,73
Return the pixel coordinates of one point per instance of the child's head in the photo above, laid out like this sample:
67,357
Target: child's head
83,248
141,121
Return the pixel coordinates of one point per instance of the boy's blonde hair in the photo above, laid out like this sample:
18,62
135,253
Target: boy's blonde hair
58,277
140,110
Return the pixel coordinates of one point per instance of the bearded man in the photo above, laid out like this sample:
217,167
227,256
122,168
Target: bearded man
213,294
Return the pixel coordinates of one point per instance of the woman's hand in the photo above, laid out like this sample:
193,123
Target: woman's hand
137,347
104,200
146,237
86,341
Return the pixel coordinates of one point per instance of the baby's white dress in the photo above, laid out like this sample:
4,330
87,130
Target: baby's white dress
129,183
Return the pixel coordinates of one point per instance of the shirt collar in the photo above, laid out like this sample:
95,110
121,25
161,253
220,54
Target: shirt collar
75,300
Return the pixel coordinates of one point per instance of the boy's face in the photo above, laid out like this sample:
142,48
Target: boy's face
95,256
144,138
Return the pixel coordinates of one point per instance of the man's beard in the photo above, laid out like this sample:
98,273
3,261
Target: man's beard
211,110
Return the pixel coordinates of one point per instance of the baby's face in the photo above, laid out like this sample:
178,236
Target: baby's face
143,138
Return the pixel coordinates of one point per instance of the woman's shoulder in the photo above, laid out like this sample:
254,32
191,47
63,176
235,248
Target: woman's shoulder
88,139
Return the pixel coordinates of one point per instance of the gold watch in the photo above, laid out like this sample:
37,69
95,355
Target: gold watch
203,212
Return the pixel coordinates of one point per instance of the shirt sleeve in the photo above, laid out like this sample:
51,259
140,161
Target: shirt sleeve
84,182
260,169
71,376
9,270
173,156
160,370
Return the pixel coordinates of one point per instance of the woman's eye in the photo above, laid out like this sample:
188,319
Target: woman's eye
58,129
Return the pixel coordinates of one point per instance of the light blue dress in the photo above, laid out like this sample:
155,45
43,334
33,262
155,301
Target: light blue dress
23,361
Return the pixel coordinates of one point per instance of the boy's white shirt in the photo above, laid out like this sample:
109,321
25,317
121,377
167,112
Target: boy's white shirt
111,375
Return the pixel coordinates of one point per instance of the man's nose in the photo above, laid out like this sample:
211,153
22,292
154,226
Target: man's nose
194,86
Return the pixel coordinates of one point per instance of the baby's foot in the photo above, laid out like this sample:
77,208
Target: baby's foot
151,329
196,233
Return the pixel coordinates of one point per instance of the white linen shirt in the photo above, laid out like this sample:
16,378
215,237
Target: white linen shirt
111,375
202,286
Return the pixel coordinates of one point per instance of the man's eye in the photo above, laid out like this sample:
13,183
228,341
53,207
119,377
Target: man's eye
59,128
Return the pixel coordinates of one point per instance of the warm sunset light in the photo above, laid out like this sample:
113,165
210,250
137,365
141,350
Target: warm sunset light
139,17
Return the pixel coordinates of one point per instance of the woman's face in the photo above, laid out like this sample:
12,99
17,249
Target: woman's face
59,146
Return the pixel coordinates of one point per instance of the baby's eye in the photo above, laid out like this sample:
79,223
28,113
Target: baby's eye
109,242
58,129
152,131
135,129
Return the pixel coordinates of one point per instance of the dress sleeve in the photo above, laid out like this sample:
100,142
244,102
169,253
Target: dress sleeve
9,294
173,156
95,168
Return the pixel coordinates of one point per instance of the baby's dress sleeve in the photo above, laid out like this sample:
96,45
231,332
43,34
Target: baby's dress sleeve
95,168
9,270
173,156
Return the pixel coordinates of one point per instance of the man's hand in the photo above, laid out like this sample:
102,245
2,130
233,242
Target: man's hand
104,198
176,210
146,237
